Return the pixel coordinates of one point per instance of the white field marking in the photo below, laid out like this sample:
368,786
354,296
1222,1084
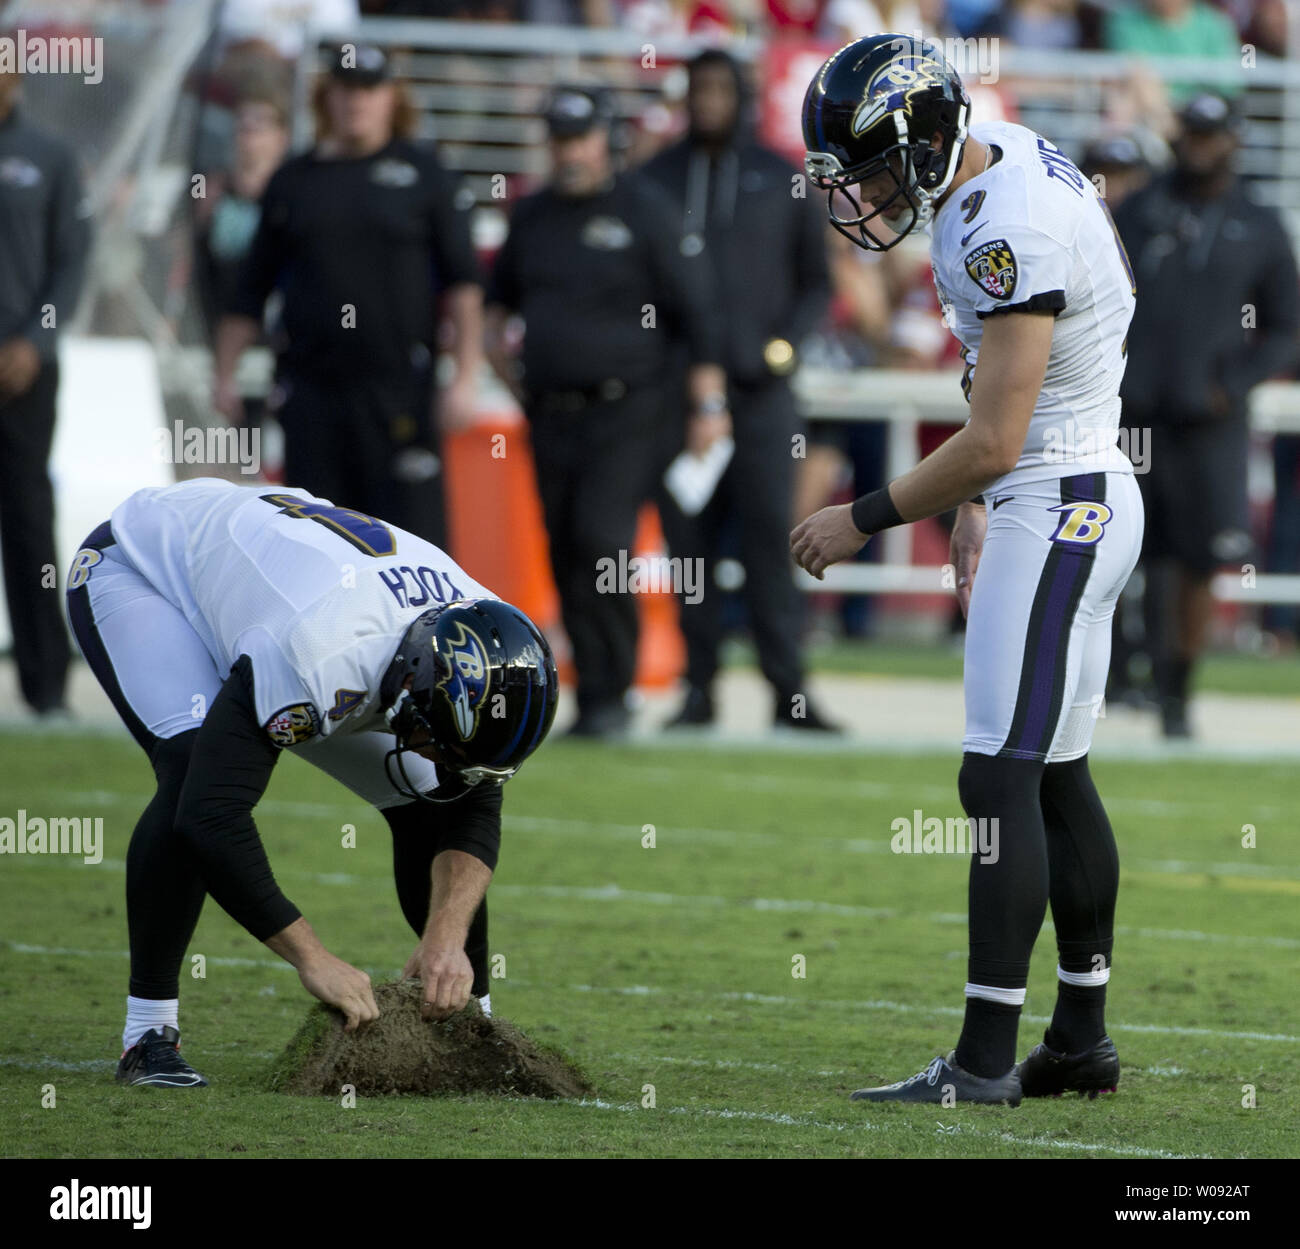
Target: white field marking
864,1125
724,836
901,1008
642,990
928,793
720,1064
1164,1071
56,1064
615,893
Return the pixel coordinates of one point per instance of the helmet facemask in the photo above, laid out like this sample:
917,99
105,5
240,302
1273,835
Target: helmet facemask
919,174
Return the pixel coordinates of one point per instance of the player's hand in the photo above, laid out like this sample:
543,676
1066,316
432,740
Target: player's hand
704,430
20,362
825,538
342,986
447,977
456,405
965,548
228,402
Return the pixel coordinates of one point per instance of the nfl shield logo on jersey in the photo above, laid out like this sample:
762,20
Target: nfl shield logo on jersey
993,266
291,726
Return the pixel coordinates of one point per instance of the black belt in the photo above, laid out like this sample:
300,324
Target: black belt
608,391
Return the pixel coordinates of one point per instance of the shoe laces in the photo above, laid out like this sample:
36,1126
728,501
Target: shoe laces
929,1075
162,1054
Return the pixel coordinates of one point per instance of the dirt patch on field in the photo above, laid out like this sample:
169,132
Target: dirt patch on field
402,1053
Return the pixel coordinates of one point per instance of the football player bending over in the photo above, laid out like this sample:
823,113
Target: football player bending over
230,623
1035,284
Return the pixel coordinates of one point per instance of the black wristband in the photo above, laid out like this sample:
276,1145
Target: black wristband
874,512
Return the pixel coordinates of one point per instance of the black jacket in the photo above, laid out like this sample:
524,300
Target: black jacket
763,234
44,234
1217,300
603,288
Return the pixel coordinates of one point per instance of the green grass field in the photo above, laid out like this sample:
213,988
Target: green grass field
671,967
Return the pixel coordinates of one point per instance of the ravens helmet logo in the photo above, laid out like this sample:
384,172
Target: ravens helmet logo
893,87
468,676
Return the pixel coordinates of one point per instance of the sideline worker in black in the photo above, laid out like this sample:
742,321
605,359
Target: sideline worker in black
740,207
44,239
1217,312
592,266
362,236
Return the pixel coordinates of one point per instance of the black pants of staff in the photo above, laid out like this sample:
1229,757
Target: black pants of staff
366,442
595,466
758,491
27,542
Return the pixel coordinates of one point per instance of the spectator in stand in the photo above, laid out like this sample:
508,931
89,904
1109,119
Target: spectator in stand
1048,25
1218,311
226,216
1156,28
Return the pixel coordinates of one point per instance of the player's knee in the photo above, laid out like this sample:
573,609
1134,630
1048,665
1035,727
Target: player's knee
170,758
990,785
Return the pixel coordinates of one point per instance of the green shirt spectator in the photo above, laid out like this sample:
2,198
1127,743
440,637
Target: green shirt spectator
1157,28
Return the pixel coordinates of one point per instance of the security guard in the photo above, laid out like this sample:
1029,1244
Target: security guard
736,205
592,266
362,236
44,239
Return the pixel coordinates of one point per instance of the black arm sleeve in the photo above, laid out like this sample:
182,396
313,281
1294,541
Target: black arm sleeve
472,823
229,771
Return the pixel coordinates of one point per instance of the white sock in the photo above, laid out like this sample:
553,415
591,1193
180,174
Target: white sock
143,1013
486,1003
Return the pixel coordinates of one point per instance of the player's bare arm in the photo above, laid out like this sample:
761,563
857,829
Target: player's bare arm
325,976
459,882
1007,380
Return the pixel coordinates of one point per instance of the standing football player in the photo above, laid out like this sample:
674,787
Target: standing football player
1035,284
231,623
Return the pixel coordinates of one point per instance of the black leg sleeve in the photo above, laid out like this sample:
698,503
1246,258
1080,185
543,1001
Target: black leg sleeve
164,889
1083,863
1008,895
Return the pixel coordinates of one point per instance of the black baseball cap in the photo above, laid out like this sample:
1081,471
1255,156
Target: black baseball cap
1116,151
1206,113
574,110
360,65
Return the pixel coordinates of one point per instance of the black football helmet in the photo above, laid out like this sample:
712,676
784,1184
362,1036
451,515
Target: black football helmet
874,107
483,689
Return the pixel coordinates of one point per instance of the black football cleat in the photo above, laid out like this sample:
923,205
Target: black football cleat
945,1082
155,1059
1049,1073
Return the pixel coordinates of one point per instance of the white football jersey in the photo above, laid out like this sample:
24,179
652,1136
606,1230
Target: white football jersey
1031,232
317,596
